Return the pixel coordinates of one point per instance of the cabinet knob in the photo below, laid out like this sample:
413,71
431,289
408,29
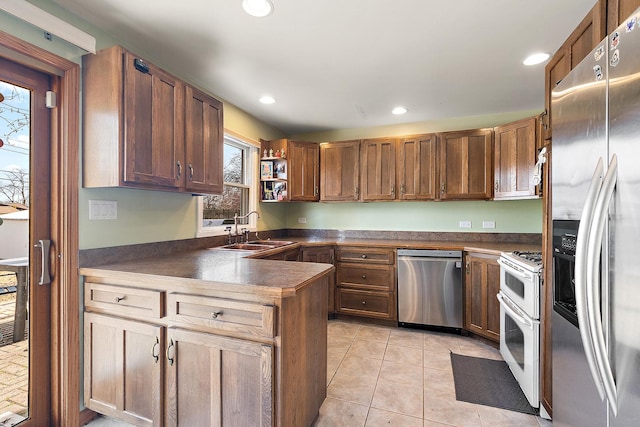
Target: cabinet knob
393,190
364,303
364,276
179,165
364,256
495,186
442,188
215,314
190,172
118,299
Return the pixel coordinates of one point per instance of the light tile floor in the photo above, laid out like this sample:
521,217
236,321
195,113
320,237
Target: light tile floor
382,376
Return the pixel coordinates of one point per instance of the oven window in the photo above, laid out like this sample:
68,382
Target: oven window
514,340
514,283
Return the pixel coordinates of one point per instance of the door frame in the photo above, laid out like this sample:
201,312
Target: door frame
65,302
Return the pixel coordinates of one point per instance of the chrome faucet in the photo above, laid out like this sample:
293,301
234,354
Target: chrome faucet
236,218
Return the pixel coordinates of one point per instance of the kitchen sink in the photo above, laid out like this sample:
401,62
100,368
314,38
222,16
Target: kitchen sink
247,247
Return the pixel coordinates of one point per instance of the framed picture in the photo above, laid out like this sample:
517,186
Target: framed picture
266,170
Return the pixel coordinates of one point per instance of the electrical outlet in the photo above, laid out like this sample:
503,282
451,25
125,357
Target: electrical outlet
465,224
302,220
488,224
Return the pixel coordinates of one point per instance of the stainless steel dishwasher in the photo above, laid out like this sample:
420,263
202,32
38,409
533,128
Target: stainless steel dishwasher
430,288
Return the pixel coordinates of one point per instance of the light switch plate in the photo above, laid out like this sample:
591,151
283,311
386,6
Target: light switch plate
103,209
465,224
302,220
488,224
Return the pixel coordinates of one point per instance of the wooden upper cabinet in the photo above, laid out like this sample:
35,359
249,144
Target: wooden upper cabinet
134,131
340,171
618,11
582,41
378,173
416,167
514,159
203,142
465,164
304,176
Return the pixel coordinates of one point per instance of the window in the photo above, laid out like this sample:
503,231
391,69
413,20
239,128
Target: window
216,212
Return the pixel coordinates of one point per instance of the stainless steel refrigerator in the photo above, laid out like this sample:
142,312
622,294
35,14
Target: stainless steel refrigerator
596,233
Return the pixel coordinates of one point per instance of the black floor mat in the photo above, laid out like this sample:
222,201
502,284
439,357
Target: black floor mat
488,382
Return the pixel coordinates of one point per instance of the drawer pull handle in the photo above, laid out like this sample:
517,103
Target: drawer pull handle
118,299
364,256
170,353
364,276
364,303
155,350
215,314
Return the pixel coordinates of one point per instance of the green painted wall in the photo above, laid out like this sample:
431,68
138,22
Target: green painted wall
522,216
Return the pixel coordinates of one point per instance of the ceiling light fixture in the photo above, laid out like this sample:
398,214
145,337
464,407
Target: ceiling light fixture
257,8
267,99
399,111
536,58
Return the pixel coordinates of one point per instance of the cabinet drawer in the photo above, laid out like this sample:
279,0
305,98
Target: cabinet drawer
220,313
366,255
124,300
364,303
372,277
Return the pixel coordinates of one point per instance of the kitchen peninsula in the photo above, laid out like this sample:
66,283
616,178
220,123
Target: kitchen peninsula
206,337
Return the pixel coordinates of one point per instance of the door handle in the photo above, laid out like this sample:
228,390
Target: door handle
594,248
45,246
581,263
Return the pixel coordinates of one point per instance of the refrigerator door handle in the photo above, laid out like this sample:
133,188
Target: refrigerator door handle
581,264
594,249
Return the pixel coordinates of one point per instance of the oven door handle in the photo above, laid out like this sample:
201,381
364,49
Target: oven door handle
594,249
514,311
582,239
514,271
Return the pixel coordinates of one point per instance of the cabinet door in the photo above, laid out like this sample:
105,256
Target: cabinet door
618,11
465,164
514,159
378,173
482,284
203,142
123,369
417,167
577,46
303,171
340,171
217,381
322,255
153,133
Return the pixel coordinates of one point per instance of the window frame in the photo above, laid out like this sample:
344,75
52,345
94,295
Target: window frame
250,182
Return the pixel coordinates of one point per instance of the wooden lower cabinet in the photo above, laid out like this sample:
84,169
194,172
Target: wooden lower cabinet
185,356
482,284
217,381
324,255
366,282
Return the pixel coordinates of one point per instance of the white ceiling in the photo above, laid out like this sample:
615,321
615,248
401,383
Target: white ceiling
338,64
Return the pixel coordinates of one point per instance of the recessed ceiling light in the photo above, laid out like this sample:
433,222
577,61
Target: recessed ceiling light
257,8
398,111
536,58
267,99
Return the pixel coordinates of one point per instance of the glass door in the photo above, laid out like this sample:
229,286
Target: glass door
25,222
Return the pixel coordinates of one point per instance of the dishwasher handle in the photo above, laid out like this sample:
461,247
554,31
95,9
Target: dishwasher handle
458,261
